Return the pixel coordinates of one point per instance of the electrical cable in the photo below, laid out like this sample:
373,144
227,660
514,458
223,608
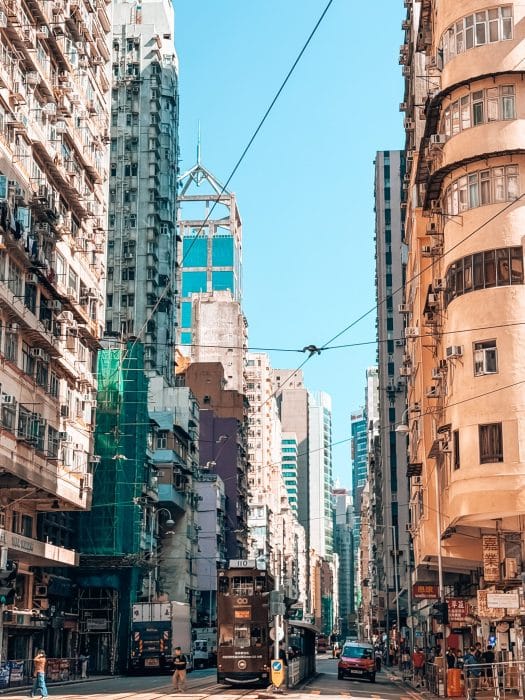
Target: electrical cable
423,269
238,163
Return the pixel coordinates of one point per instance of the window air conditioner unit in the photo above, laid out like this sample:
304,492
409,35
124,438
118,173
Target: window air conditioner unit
403,308
432,392
438,285
511,568
3,19
66,316
405,371
399,343
438,140
39,353
433,299
8,399
433,230
411,332
454,351
402,106
443,446
435,206
31,278
426,251
409,124
436,373
65,437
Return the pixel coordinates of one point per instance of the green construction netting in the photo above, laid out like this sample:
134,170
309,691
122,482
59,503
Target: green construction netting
113,526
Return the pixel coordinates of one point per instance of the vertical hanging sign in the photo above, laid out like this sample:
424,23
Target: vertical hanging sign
491,558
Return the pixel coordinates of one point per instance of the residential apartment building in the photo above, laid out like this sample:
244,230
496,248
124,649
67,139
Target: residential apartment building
142,249
54,83
465,293
388,461
264,456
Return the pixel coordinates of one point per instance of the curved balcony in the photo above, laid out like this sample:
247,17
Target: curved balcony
489,481
493,54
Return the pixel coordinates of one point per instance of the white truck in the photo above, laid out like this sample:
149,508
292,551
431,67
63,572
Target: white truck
204,647
156,629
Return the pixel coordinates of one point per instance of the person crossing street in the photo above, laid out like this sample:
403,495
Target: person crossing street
179,671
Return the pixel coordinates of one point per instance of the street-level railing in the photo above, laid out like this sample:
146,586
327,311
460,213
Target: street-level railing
497,681
19,672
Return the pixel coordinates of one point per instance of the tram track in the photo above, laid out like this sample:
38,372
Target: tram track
204,689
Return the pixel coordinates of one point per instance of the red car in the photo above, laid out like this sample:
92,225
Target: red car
357,659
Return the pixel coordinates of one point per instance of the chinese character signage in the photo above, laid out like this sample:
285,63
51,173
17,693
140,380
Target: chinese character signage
483,609
499,599
491,558
425,590
458,609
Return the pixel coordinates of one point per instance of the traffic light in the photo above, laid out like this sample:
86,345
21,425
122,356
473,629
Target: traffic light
277,606
8,582
440,613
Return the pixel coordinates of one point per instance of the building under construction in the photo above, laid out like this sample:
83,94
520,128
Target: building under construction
116,537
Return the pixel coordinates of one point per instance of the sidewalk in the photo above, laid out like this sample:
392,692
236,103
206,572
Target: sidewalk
54,684
398,674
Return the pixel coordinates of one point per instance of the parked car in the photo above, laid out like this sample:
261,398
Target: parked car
357,659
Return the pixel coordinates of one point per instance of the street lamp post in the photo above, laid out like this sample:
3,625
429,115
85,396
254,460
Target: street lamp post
396,586
169,522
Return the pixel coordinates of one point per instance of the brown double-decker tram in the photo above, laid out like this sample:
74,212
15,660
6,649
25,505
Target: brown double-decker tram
244,646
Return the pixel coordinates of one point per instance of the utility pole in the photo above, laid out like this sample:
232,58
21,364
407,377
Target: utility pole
396,587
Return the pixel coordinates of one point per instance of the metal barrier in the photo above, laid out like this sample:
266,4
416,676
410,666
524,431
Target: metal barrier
18,673
498,681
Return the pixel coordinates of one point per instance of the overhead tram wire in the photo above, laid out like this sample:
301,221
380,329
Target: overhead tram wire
237,164
419,274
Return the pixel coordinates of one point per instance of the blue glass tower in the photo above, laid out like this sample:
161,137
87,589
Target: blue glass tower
210,229
359,474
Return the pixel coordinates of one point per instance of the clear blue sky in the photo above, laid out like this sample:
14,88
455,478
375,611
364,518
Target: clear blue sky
305,189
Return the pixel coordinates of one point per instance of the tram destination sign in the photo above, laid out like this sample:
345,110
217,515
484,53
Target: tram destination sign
241,564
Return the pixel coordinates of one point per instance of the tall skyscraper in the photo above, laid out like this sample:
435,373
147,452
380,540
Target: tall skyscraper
54,76
343,545
388,472
359,455
289,467
292,400
211,231
320,473
142,249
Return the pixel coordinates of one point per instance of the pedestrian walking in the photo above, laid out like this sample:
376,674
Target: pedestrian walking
39,674
180,663
84,660
488,657
471,665
418,662
450,658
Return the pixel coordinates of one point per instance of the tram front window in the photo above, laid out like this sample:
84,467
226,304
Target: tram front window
242,636
226,636
258,636
242,585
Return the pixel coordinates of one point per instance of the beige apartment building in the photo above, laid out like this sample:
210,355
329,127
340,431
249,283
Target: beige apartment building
54,82
464,303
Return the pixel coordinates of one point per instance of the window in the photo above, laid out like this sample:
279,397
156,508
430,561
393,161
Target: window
485,358
193,282
492,104
195,251
482,187
455,447
484,27
490,443
162,440
491,268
